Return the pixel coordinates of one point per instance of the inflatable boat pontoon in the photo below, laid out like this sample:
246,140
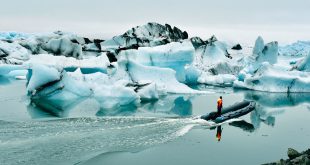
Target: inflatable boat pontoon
233,111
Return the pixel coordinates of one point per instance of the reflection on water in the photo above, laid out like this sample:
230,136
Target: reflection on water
219,133
182,107
119,111
4,81
174,105
268,106
277,100
57,108
245,126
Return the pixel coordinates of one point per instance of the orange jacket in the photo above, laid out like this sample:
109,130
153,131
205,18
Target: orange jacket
219,103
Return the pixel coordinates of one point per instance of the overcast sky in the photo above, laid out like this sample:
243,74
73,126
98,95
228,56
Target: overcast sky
235,20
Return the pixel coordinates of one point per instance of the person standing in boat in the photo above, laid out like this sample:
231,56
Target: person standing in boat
219,106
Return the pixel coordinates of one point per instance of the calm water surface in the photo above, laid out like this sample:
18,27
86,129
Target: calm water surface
161,132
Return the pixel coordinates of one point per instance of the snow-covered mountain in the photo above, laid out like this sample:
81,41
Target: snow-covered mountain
145,63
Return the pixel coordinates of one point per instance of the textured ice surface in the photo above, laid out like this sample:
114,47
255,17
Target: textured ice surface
12,53
40,75
299,48
99,63
303,65
272,79
173,55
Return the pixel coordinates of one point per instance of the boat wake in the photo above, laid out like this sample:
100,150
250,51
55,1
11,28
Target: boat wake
65,140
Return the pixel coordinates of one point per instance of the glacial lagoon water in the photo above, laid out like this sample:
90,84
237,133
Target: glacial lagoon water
161,132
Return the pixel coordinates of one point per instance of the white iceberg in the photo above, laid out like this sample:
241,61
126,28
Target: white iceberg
53,90
272,79
303,65
164,78
93,64
12,53
111,97
261,53
217,80
63,46
215,65
148,92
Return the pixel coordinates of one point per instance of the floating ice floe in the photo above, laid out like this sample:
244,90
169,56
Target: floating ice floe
261,74
272,79
130,84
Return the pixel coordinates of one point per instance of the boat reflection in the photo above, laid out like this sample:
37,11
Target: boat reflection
245,126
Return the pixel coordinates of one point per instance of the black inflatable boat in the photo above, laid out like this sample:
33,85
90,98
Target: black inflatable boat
233,111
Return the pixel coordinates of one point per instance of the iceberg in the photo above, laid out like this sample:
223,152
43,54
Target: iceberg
151,34
164,78
145,63
262,74
59,43
212,53
197,42
217,80
261,53
13,35
303,65
265,53
87,65
54,90
299,48
49,87
214,63
12,53
41,75
174,55
63,46
272,79
148,92
112,97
